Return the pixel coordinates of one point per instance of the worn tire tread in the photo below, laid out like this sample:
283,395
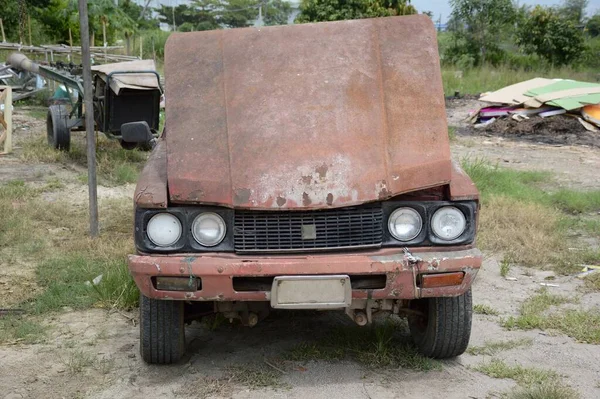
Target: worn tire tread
448,329
162,334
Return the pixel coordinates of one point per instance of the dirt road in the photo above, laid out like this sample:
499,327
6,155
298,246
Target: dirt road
94,353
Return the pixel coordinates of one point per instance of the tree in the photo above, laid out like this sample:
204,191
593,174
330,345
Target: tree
276,12
550,35
477,25
180,15
237,13
134,11
336,10
574,10
593,26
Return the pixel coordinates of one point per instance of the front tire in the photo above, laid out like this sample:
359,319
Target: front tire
162,332
445,329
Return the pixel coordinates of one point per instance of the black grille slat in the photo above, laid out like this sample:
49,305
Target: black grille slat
281,231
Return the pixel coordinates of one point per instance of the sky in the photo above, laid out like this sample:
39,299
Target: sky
443,6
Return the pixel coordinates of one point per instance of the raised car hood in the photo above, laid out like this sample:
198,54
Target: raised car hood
305,116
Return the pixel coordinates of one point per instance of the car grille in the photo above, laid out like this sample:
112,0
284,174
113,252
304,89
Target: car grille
291,231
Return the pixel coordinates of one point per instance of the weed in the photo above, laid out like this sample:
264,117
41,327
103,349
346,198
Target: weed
592,281
21,329
452,133
504,266
493,347
77,361
526,376
254,376
485,309
546,390
377,346
582,325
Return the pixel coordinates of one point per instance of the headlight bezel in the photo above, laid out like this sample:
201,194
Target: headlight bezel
426,209
186,242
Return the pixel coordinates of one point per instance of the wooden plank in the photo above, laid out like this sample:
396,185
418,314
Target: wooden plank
6,135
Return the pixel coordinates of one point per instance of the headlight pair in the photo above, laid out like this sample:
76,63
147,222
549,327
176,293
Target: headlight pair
447,223
165,229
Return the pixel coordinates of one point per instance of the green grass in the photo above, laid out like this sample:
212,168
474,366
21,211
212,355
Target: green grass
592,281
21,329
115,166
505,267
491,348
548,390
528,224
254,376
485,310
375,346
526,376
488,78
582,325
52,239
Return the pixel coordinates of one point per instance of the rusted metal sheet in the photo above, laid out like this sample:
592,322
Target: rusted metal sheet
151,189
305,116
461,185
216,272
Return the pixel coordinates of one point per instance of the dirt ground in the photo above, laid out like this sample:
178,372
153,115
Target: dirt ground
94,353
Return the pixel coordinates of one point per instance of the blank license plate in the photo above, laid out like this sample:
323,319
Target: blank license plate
311,292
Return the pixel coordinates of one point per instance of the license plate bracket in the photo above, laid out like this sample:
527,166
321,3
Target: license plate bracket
311,292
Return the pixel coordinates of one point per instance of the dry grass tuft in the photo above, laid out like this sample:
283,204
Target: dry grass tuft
524,231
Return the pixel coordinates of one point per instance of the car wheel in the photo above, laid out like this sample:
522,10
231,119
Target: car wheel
59,135
443,328
162,333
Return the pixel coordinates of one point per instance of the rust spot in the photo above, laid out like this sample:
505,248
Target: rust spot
196,195
306,179
329,199
281,201
241,196
306,199
322,171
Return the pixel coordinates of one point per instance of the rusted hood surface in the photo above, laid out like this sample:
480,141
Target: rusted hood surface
305,116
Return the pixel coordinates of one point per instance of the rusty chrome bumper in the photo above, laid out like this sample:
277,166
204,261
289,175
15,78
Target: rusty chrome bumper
217,270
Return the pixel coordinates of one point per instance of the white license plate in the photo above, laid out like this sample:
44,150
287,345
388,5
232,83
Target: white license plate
311,292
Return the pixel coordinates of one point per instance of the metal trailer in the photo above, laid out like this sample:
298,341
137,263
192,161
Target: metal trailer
131,116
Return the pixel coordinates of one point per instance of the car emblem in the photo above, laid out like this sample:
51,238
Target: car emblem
309,232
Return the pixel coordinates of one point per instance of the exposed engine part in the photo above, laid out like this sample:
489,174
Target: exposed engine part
249,313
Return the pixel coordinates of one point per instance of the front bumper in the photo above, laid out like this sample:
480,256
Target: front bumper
217,270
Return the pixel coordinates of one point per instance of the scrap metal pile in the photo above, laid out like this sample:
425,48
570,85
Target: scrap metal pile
541,98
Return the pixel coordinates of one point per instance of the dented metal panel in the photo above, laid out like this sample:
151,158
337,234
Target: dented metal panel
216,272
151,189
305,116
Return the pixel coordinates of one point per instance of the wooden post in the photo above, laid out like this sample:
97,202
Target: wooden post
89,116
141,47
29,23
2,29
104,39
70,57
6,118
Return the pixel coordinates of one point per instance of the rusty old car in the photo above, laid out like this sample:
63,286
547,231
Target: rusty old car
305,167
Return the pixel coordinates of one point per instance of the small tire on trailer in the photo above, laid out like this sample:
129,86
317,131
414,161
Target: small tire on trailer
162,333
59,135
445,329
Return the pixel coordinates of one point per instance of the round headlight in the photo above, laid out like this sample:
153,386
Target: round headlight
164,229
208,229
405,224
448,223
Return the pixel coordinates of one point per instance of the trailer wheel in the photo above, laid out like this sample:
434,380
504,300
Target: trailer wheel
162,333
445,329
59,135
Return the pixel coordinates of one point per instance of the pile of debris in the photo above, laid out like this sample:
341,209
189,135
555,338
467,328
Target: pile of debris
539,99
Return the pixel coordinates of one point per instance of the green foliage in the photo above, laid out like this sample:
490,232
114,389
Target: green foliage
337,10
593,25
544,31
476,26
574,10
277,12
